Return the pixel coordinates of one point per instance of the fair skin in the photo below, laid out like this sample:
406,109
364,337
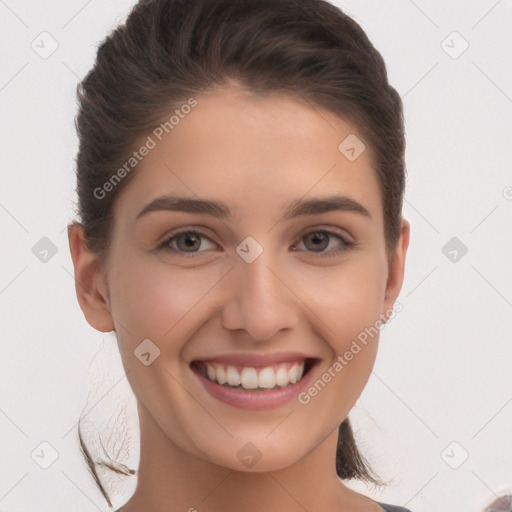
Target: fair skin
257,155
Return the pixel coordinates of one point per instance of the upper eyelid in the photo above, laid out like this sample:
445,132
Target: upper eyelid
330,230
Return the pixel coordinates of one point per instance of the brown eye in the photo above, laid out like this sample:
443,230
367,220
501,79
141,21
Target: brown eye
319,241
186,241
190,241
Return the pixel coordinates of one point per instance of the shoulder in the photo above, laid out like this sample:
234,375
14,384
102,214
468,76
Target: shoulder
393,508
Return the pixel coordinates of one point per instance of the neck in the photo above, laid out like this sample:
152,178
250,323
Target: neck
169,476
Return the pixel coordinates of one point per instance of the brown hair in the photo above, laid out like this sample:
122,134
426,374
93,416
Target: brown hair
170,50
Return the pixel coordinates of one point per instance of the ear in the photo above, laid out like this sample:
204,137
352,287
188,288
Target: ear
90,283
396,270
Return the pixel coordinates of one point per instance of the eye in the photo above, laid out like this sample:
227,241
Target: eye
319,240
187,241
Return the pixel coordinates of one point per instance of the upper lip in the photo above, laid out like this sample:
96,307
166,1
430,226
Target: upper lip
254,359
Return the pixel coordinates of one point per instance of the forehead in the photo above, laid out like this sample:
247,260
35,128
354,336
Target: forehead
252,152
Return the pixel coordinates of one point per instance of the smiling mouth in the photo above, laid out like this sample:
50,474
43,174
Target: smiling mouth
251,378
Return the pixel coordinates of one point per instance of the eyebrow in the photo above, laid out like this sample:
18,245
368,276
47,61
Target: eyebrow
221,210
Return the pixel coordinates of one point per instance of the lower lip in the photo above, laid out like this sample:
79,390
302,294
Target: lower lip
248,399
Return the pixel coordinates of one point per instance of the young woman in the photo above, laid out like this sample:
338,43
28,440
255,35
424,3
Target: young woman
240,183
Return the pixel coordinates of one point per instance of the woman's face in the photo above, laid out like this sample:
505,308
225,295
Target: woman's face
270,279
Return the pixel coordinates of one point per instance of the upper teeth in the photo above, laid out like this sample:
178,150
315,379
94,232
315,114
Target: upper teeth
250,378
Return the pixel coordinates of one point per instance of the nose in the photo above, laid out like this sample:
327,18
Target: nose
260,299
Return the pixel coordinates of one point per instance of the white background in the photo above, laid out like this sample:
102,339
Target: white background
443,372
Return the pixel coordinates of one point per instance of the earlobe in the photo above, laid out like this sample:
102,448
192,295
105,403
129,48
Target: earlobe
89,282
396,269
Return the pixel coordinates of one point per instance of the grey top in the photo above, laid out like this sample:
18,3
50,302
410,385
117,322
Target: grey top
393,508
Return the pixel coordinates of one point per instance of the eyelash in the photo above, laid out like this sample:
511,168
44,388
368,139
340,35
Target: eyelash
165,244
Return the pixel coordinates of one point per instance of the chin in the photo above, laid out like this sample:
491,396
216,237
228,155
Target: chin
256,456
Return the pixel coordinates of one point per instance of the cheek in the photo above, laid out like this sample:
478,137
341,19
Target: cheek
150,299
349,300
